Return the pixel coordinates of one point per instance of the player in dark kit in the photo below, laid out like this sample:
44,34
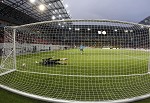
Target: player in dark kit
51,61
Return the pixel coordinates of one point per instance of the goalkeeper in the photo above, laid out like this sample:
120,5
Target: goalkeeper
51,61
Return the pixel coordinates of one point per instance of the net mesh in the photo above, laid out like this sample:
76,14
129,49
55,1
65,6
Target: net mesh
7,63
81,60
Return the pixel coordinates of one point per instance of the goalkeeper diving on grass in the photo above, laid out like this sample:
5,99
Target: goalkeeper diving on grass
52,61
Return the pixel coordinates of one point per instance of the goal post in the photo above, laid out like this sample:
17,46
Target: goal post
149,50
14,47
8,61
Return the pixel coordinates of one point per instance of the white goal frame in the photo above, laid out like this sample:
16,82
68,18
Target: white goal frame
59,100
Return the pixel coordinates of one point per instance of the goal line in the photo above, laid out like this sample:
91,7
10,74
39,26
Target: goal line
65,75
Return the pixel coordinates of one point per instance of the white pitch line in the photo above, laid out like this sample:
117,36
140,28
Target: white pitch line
65,75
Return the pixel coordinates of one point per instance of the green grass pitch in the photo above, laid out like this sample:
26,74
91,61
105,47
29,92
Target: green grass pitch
95,75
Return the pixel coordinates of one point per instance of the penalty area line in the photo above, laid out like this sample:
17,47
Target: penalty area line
65,75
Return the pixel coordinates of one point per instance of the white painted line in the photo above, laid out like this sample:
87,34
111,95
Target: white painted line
65,75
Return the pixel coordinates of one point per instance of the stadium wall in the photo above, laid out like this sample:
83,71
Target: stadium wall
25,47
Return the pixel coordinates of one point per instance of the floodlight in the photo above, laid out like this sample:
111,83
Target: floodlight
89,29
131,31
99,32
68,11
41,7
77,29
66,6
104,32
53,17
32,1
126,31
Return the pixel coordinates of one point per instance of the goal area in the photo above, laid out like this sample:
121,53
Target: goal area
101,61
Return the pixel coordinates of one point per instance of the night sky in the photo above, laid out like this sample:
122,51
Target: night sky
123,10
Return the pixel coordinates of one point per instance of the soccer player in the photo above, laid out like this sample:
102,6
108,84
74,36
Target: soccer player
51,61
81,49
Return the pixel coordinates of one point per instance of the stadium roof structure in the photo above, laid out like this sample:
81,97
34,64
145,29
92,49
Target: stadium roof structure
146,21
28,12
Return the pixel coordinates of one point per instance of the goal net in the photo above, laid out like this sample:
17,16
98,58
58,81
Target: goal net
77,60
